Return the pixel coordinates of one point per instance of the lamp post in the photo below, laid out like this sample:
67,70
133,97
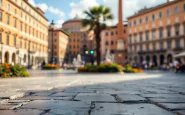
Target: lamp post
1,52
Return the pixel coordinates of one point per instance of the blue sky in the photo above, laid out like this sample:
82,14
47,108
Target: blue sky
62,10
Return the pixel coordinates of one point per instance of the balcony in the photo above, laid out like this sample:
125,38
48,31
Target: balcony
178,49
154,51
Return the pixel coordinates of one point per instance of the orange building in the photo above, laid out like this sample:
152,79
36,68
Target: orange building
156,34
80,39
58,42
114,39
23,33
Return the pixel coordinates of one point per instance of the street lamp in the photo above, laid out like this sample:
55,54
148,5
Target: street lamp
1,52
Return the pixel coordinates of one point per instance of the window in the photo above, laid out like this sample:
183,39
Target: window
134,23
130,24
21,43
147,36
147,19
153,17
177,42
169,32
1,2
15,40
1,16
15,23
177,30
135,38
112,33
0,37
141,48
125,31
176,10
107,43
106,33
25,28
161,33
161,46
21,26
140,21
154,46
160,14
7,39
15,11
130,39
112,42
141,37
8,19
169,44
154,35
8,7
168,12
184,7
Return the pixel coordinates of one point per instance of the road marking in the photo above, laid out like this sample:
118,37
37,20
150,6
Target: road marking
73,82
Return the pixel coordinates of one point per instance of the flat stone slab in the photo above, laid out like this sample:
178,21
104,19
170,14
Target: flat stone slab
8,106
12,95
181,112
46,98
163,95
63,94
56,104
74,111
128,109
173,106
128,98
168,100
20,112
123,92
46,93
95,97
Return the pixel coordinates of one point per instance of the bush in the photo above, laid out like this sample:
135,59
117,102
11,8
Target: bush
50,67
16,70
102,68
129,69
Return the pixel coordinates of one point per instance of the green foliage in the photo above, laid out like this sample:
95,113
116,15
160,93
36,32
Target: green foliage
7,70
50,66
129,69
102,68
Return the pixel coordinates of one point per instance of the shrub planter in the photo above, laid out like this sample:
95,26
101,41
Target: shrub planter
7,70
129,69
102,68
50,67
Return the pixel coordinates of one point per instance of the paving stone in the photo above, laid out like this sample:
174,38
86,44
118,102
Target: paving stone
12,95
168,100
157,91
46,98
128,98
123,92
20,112
173,106
56,104
18,101
181,112
128,109
163,95
94,97
75,111
48,93
8,106
63,94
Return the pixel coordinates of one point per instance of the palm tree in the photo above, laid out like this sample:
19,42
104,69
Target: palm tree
96,18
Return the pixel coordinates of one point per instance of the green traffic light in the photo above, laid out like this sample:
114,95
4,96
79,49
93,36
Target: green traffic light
91,52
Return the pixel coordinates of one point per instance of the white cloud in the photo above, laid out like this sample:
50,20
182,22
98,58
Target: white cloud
56,11
43,6
32,2
59,23
78,8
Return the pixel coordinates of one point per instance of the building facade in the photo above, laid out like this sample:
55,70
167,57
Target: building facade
156,34
80,39
58,42
23,33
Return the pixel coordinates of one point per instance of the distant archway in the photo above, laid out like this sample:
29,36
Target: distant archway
6,57
154,60
161,59
13,58
148,59
170,58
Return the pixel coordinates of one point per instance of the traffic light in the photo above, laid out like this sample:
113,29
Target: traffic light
86,52
91,52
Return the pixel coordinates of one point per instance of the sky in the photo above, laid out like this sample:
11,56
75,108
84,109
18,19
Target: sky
63,10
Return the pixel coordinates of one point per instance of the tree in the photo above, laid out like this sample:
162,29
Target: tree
96,18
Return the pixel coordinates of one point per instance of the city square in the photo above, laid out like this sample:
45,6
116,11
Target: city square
92,57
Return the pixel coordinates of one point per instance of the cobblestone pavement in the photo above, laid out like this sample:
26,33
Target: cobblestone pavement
69,93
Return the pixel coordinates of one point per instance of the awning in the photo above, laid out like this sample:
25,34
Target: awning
180,55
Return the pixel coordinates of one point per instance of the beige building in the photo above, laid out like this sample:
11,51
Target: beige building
23,33
81,39
156,34
58,42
